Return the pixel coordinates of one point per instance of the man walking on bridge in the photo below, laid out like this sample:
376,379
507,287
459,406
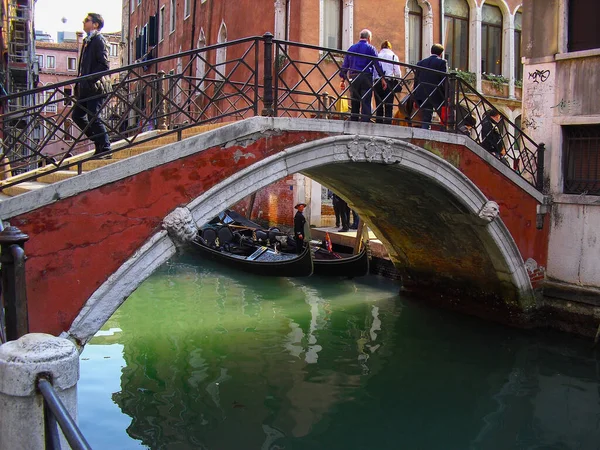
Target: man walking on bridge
359,71
429,88
90,94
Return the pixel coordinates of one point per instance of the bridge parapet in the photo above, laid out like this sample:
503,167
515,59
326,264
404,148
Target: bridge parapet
261,76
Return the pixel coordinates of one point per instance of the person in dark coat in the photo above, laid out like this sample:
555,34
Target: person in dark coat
90,93
299,222
430,91
491,139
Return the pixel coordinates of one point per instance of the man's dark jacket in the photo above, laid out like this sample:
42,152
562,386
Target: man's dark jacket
93,59
427,82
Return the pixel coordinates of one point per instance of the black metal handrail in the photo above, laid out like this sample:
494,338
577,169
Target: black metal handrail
55,412
291,80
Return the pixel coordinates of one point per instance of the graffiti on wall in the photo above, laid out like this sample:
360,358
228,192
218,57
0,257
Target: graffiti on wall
539,76
567,106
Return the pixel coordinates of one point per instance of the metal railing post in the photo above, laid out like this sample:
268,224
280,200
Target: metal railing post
162,110
451,106
268,76
12,256
541,149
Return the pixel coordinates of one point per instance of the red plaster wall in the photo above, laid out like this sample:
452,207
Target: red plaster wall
517,208
76,243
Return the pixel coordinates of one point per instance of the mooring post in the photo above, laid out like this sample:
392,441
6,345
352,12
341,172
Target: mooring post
22,362
12,257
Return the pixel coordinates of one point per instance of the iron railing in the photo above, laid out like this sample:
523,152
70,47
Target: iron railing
230,81
56,413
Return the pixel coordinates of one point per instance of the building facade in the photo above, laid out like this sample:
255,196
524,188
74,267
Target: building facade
561,109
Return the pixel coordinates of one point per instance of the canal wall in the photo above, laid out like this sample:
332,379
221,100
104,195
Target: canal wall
559,306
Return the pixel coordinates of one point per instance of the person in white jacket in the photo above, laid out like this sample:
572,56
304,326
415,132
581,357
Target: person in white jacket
384,97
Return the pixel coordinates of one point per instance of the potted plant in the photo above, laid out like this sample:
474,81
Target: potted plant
495,85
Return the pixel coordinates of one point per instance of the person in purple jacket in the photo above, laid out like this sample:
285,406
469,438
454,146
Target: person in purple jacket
359,72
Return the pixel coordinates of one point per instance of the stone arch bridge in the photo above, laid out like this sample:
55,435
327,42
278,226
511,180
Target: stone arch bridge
94,238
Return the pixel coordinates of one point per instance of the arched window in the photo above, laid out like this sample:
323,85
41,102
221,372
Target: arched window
415,31
331,29
518,64
456,22
491,39
200,60
221,53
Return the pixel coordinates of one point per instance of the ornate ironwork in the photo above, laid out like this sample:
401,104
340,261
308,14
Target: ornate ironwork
258,75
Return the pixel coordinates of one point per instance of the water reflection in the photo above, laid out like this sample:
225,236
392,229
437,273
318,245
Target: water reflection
223,360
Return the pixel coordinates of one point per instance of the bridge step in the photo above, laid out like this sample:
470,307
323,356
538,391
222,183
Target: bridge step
135,149
57,176
24,187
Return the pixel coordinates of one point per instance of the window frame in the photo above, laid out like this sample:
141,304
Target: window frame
322,34
172,16
487,28
419,46
161,24
69,59
53,59
573,162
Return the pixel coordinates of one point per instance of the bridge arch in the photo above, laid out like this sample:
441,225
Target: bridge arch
439,239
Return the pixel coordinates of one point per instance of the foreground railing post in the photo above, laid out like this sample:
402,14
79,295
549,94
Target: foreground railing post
268,76
21,363
540,167
162,110
451,91
12,256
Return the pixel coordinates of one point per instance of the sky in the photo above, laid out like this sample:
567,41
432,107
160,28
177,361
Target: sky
49,14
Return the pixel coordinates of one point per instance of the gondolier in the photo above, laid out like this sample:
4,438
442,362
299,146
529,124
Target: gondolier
299,222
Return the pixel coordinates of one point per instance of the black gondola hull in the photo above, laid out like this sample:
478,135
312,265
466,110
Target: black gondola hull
300,265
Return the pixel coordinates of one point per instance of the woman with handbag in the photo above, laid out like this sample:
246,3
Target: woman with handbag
384,97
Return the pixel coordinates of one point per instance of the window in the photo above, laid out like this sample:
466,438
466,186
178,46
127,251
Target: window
132,5
72,64
68,93
221,53
456,21
161,25
518,63
491,39
41,61
172,16
415,31
200,61
186,9
139,2
48,96
582,159
114,49
331,30
584,30
50,62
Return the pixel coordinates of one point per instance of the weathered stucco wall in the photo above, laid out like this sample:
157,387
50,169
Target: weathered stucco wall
577,84
574,253
540,28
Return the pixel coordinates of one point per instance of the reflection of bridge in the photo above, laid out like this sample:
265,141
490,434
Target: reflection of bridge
96,236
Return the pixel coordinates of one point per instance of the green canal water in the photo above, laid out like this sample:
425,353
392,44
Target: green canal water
201,357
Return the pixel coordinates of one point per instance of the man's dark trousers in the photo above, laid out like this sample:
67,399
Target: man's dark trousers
361,91
83,113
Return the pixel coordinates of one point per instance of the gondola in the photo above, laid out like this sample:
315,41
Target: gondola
334,262
221,244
